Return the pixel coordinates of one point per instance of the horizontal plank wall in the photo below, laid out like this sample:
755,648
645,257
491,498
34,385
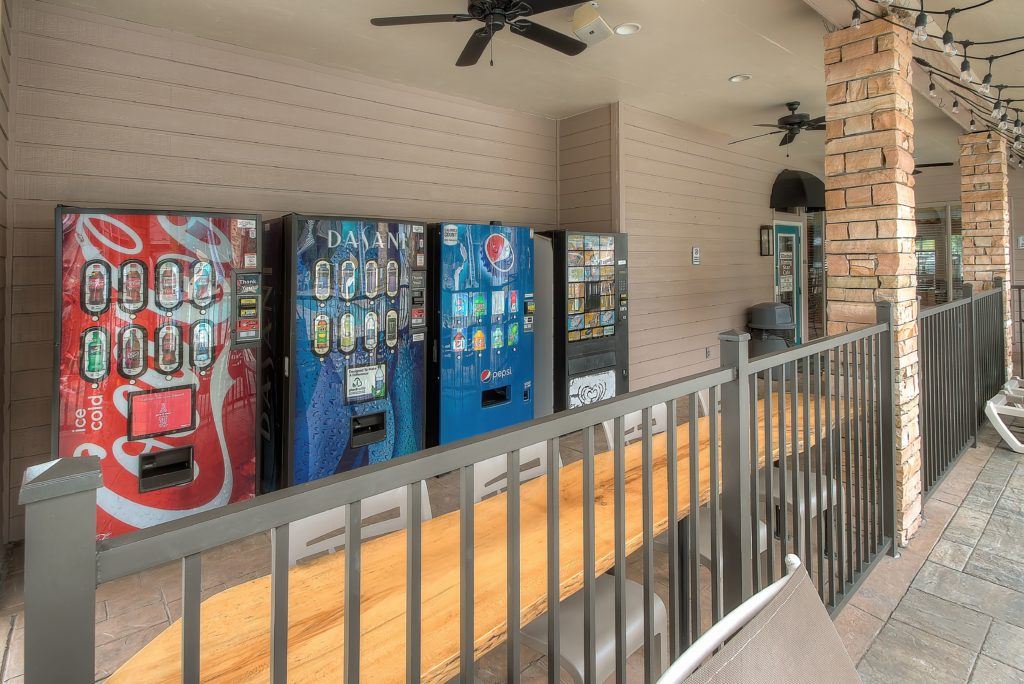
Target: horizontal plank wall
586,170
679,190
115,114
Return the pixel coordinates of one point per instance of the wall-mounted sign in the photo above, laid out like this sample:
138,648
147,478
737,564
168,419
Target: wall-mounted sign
696,256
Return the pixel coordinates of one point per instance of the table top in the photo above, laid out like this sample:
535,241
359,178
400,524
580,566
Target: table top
235,623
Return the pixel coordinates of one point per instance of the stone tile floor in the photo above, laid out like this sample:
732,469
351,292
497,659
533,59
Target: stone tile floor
951,607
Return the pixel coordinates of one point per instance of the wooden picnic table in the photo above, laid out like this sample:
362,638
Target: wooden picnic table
235,623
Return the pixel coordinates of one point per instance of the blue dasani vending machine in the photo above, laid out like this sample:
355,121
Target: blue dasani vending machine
347,352
483,329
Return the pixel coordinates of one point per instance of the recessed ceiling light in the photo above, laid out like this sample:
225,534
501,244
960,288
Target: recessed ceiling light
739,78
628,29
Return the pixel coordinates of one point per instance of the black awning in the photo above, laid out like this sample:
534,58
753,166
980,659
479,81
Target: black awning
798,189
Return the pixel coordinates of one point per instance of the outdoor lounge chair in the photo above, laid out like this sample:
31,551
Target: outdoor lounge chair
782,633
996,408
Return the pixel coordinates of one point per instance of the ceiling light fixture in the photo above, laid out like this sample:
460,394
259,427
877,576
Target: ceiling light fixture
739,78
628,29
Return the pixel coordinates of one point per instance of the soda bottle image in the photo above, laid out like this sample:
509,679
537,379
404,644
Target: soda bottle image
513,333
95,292
479,304
133,353
378,382
392,278
202,344
321,334
370,330
371,273
460,305
322,280
169,348
94,361
497,337
347,334
459,341
479,340
348,279
132,285
391,328
202,283
513,302
169,285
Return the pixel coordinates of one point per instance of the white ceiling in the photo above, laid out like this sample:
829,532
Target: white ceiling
677,65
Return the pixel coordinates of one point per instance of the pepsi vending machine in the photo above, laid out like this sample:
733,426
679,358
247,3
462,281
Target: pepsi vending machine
483,356
346,344
591,346
157,336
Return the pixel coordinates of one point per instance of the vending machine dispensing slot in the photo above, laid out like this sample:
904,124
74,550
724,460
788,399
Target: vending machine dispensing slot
369,429
165,469
495,396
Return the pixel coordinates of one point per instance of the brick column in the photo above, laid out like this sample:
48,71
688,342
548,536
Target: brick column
870,229
985,198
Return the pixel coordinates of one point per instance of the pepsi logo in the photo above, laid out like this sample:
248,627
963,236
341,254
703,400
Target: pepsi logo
499,252
487,375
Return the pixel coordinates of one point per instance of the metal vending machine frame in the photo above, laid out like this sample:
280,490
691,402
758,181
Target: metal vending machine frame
591,346
156,358
333,402
482,356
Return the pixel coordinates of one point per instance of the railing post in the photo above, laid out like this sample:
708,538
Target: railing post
972,363
60,569
1005,329
887,418
736,534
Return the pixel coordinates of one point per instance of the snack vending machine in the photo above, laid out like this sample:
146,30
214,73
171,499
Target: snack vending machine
157,333
591,312
346,345
483,355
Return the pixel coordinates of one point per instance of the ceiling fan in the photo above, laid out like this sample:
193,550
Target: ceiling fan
918,167
496,15
791,125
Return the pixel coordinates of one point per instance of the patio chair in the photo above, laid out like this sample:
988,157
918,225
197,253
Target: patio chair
325,532
782,633
996,408
491,477
632,424
837,492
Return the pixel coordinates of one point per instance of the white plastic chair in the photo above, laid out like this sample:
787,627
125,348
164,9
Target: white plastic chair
837,492
997,407
704,529
325,532
491,477
632,425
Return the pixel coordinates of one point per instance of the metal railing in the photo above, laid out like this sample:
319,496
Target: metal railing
798,443
961,348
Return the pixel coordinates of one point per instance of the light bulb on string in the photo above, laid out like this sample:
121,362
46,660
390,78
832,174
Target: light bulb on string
956,105
974,124
855,21
965,71
931,90
948,46
1017,144
986,83
1018,128
997,109
921,27
1004,122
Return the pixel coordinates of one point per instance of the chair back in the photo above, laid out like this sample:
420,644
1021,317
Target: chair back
632,425
490,477
325,532
995,409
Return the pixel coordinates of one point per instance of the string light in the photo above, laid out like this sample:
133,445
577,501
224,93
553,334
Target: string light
965,70
855,21
1004,122
974,124
1017,144
931,89
921,26
956,105
1017,126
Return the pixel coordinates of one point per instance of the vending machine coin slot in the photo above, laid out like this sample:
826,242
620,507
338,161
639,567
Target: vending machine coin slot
247,329
369,429
591,362
165,469
495,396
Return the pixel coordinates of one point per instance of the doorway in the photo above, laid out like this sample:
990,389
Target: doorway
789,271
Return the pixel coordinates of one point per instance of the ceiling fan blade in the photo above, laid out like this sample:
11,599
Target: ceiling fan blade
419,19
548,37
754,136
789,137
538,6
771,126
815,127
475,47
933,165
819,120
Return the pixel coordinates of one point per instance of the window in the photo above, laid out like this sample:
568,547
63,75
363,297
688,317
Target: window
939,248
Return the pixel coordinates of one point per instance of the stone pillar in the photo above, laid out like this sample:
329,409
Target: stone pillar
870,228
985,199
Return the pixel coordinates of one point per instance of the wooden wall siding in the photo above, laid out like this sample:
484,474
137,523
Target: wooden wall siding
5,239
680,191
585,171
114,114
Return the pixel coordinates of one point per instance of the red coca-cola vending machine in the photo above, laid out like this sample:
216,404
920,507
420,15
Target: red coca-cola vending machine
157,338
